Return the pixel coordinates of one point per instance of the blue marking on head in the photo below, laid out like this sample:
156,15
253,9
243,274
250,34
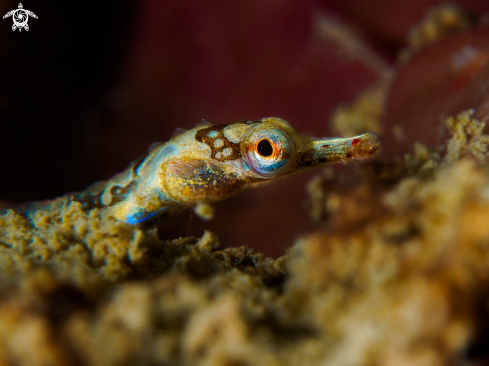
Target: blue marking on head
164,151
136,218
276,166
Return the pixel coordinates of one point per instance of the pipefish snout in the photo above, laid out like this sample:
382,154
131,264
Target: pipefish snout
210,163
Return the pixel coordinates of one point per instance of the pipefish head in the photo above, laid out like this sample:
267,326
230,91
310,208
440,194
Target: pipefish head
225,159
275,148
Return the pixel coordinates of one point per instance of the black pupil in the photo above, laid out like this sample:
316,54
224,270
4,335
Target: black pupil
265,148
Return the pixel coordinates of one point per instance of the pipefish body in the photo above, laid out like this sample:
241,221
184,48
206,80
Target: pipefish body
210,163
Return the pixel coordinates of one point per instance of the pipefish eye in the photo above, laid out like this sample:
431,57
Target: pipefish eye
265,148
269,151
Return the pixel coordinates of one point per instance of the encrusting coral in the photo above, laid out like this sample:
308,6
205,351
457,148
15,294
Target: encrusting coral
79,247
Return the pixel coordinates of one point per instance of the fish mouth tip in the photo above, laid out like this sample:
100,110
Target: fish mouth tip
372,141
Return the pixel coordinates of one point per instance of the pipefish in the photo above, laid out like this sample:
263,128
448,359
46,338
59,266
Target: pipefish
210,163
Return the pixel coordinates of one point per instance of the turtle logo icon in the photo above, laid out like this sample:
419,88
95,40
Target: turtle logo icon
20,17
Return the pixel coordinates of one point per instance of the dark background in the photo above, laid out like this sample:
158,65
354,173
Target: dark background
92,84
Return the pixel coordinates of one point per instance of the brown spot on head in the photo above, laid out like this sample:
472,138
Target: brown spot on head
213,134
355,141
324,146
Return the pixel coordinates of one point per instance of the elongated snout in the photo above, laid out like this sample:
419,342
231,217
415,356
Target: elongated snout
369,144
338,150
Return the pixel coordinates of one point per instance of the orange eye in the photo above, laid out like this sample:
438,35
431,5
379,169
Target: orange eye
269,151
